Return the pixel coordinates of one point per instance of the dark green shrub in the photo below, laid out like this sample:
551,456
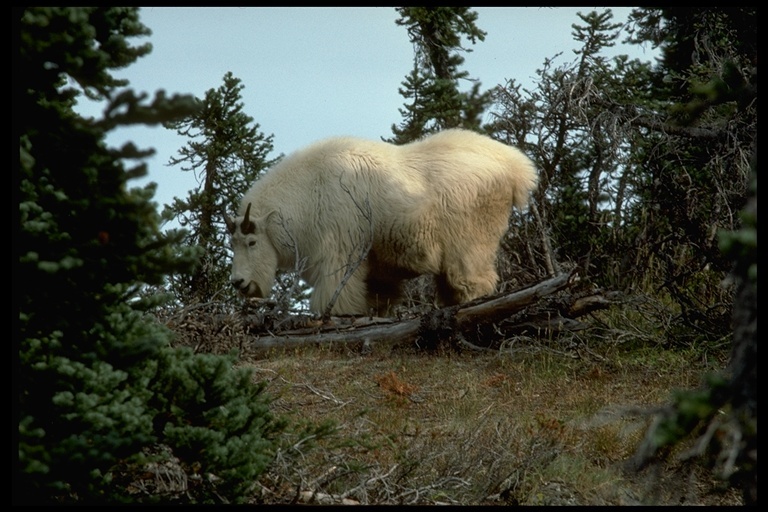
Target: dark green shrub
98,387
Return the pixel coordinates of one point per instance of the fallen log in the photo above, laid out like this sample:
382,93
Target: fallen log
519,312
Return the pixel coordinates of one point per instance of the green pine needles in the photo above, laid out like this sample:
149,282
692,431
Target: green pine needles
102,398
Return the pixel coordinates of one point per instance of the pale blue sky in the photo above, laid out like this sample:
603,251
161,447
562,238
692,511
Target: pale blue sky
311,73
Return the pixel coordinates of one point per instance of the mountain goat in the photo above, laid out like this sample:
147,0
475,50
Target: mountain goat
363,216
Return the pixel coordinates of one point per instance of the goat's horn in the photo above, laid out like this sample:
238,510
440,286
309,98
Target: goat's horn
246,226
229,222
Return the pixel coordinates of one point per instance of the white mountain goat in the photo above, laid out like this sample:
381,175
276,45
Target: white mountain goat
368,215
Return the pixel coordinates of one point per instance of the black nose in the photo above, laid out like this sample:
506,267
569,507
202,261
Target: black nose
237,283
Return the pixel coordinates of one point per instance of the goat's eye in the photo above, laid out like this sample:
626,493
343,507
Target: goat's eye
251,243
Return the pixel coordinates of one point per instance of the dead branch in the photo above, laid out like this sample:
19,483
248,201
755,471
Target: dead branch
534,309
497,309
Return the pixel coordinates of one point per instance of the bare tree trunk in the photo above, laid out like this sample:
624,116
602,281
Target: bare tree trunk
549,258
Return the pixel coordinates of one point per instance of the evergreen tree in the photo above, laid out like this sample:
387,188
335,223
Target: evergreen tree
583,204
641,168
704,134
229,152
704,172
100,392
627,188
436,102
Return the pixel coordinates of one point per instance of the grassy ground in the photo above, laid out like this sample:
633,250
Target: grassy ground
545,423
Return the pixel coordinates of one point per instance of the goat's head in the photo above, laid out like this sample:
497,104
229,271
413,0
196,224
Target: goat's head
254,259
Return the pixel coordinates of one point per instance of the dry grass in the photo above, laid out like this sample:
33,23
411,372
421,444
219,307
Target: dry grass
465,428
542,423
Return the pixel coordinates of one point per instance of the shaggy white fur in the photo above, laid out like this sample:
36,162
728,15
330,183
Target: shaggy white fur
373,214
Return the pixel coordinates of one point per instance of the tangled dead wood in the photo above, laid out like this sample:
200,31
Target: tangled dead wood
544,307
